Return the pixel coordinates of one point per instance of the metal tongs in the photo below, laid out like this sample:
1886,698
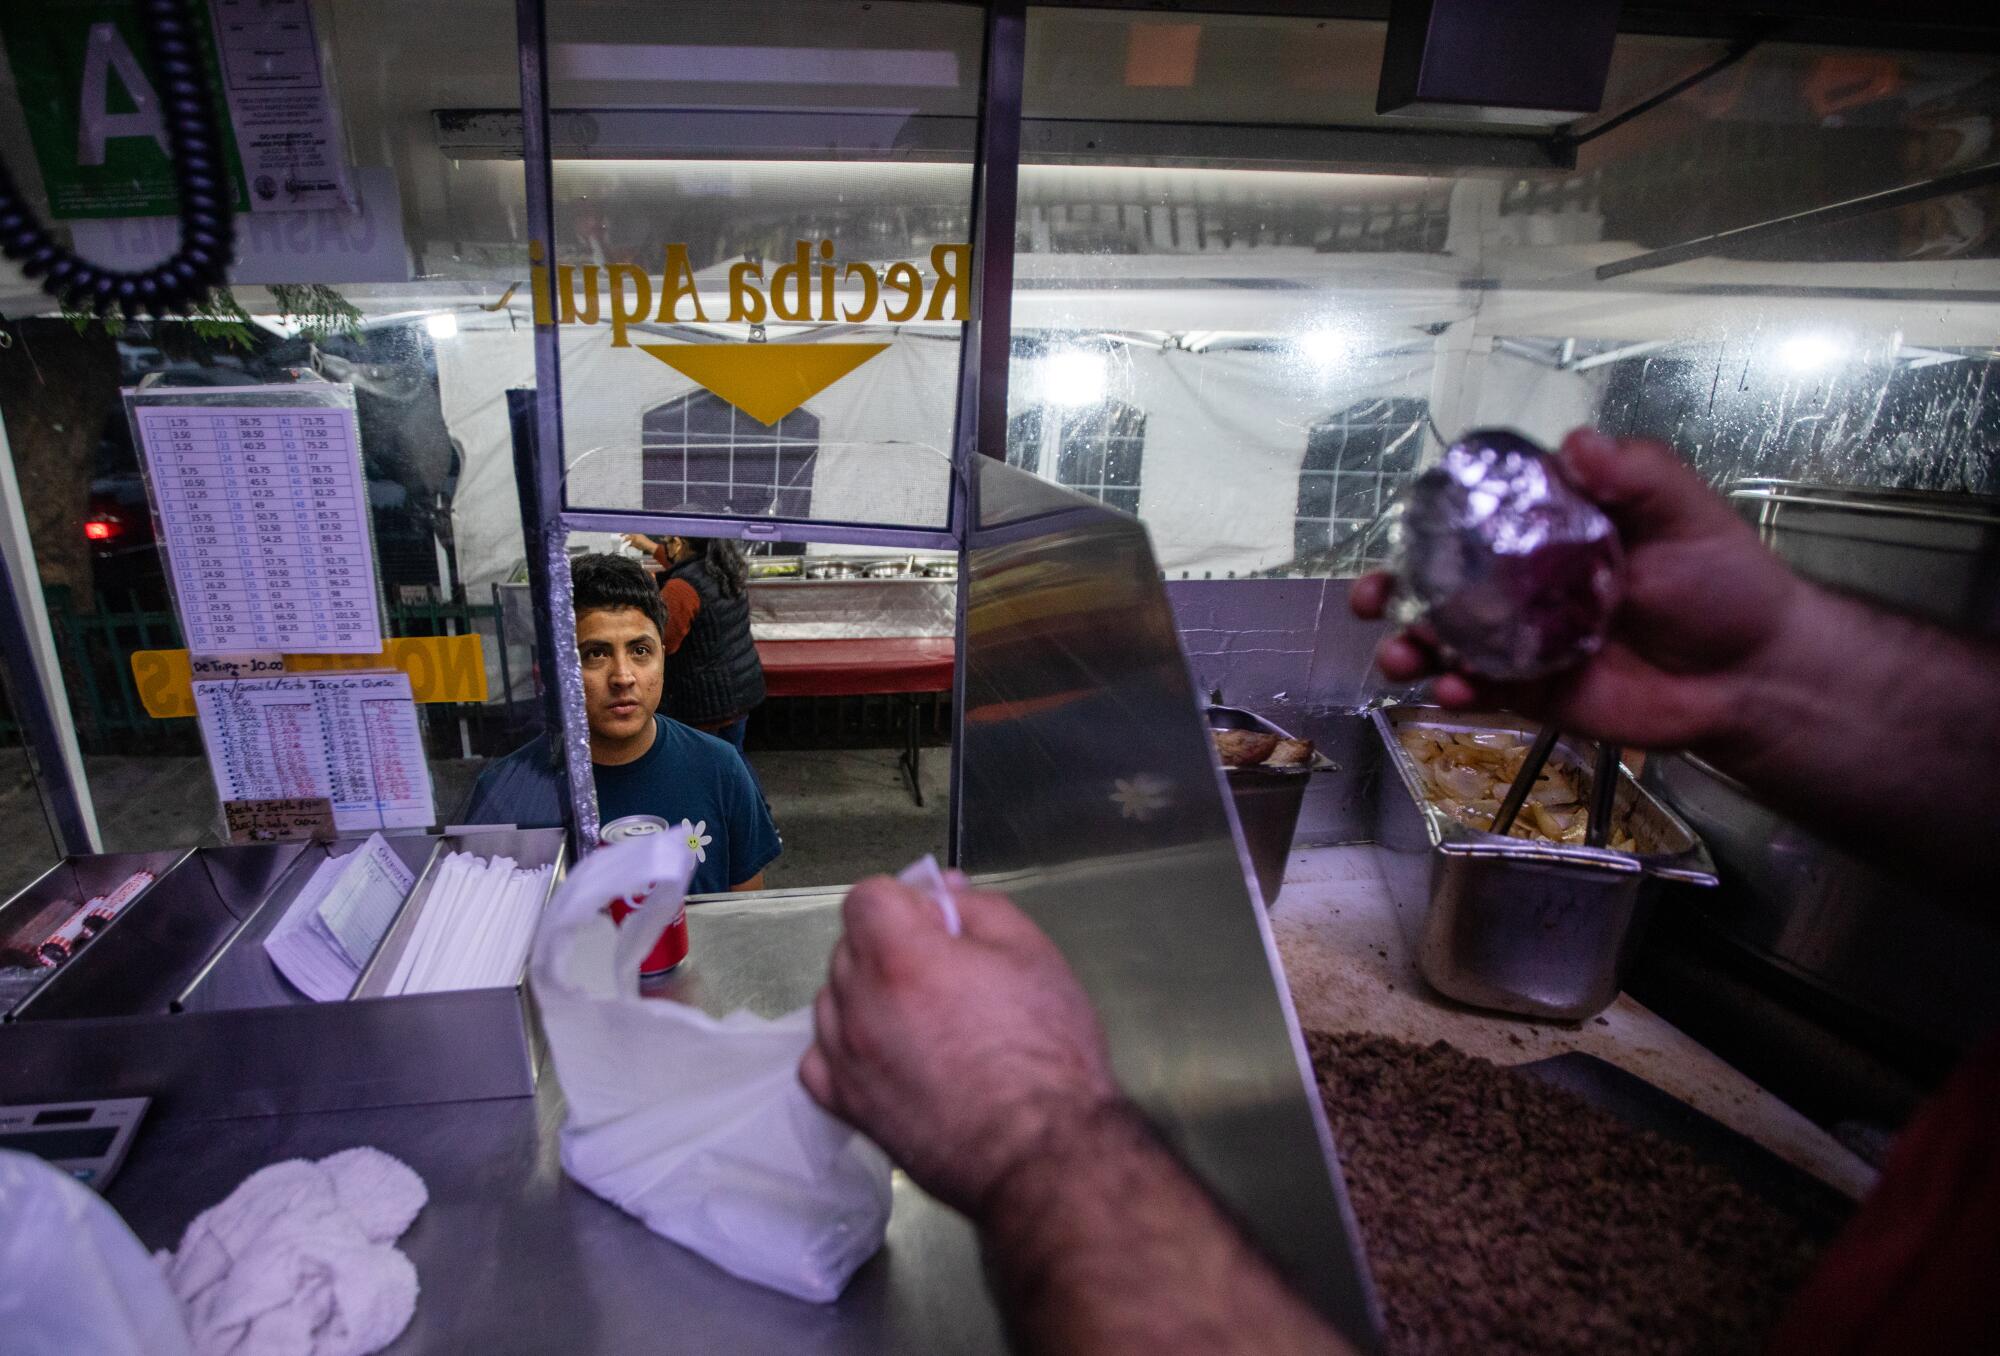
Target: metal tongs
1603,787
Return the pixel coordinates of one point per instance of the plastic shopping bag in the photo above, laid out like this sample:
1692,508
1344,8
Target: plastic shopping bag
73,1279
695,1124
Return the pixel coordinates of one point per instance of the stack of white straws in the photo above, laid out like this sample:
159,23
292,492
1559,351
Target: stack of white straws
476,925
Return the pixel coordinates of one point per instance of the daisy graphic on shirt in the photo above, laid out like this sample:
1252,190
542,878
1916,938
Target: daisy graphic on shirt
698,838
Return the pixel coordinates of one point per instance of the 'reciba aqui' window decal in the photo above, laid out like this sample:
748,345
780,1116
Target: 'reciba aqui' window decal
766,381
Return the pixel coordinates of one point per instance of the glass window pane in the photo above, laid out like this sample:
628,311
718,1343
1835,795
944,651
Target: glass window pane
418,302
1406,442
1024,440
1217,232
31,844
1122,461
1170,278
838,744
1315,495
1354,496
769,225
1081,463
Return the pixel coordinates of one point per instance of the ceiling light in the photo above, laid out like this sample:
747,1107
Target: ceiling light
1804,353
442,325
1072,377
1331,346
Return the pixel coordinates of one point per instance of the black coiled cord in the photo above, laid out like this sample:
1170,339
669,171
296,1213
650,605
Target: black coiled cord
208,207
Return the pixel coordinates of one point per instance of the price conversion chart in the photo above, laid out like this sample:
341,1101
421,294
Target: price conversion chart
353,739
265,514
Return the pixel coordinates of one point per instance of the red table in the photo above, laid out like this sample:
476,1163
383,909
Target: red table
863,666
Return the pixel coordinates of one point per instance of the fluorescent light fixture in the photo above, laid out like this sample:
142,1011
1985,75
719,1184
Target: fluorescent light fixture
1803,353
1329,346
442,325
703,64
1072,377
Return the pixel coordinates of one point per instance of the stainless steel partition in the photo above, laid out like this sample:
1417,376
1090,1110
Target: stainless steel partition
1090,793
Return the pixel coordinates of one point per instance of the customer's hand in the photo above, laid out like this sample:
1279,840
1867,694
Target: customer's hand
1705,606
640,542
958,1055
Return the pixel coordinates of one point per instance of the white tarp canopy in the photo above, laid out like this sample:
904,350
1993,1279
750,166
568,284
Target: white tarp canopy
1225,430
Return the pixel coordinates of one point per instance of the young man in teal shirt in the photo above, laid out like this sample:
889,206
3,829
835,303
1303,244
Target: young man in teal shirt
642,762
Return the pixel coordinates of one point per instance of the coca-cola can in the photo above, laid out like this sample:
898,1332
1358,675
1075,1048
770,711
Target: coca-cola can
630,827
672,948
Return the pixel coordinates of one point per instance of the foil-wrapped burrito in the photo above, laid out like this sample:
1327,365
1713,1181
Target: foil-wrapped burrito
1515,572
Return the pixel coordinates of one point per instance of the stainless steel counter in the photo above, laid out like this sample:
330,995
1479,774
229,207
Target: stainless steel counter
514,1257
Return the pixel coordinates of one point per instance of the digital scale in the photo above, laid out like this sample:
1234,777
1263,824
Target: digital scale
87,1140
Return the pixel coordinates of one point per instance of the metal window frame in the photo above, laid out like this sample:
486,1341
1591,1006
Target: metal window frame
979,426
34,680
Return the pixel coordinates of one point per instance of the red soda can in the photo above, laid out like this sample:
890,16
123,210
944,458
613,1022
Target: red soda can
672,948
630,827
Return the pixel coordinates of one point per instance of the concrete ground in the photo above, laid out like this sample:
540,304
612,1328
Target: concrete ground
847,813
843,813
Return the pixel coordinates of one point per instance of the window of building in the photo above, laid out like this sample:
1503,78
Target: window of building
1357,462
703,455
1094,449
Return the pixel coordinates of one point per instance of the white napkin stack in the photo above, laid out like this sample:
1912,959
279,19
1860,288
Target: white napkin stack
477,922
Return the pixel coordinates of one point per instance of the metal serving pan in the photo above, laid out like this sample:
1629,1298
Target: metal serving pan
1891,951
240,1042
1540,929
1267,799
168,935
1926,552
54,897
239,973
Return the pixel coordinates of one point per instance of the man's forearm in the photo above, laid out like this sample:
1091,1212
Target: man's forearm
1878,732
1101,1243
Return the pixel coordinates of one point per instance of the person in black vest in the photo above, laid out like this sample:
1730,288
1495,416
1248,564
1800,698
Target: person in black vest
714,679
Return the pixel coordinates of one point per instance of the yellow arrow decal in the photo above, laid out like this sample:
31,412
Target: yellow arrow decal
765,381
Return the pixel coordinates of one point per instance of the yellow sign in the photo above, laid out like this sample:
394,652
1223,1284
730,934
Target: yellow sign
441,669
765,381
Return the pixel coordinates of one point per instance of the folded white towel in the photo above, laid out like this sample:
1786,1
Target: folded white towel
298,1261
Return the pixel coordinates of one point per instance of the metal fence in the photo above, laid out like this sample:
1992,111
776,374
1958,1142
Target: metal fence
95,650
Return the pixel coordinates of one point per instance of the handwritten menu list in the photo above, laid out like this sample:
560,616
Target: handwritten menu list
352,738
264,509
